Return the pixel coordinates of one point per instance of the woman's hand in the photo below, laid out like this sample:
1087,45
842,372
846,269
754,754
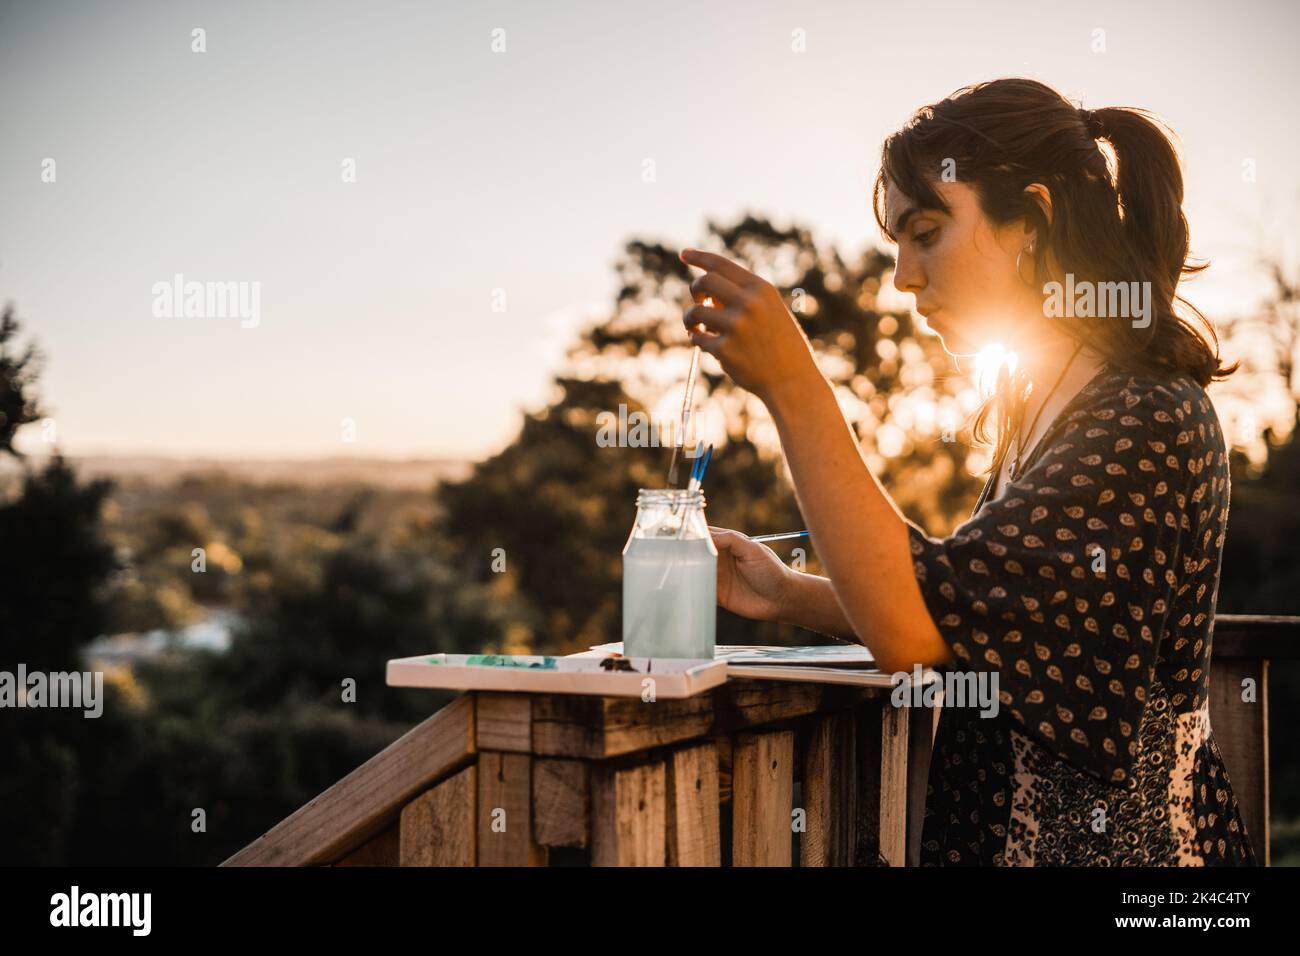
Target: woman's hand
752,334
752,580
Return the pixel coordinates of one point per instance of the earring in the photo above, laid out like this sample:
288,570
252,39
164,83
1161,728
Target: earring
1030,250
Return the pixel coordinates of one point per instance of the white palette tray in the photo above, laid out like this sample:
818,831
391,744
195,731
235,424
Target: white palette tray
821,655
673,677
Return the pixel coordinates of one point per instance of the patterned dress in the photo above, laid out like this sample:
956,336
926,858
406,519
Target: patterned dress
1088,590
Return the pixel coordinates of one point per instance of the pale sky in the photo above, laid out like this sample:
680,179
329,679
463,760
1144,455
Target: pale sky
519,170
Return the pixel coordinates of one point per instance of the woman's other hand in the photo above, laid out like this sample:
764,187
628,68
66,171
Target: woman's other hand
752,581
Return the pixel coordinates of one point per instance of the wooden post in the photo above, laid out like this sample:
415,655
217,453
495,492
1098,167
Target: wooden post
869,730
694,838
895,727
762,798
505,828
1241,729
629,815
379,850
830,793
504,722
439,828
920,748
561,802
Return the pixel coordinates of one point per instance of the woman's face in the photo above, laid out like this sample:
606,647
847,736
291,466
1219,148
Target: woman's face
961,268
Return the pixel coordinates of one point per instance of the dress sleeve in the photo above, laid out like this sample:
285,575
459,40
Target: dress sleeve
1061,587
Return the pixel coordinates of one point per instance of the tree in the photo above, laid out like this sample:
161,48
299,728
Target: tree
56,560
54,566
18,407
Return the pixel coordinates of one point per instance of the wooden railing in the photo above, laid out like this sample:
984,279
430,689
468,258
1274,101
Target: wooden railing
752,773
1243,647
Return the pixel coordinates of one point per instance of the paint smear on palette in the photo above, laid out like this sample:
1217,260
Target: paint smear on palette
497,660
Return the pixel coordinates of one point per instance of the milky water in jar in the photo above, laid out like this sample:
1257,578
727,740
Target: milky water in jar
670,577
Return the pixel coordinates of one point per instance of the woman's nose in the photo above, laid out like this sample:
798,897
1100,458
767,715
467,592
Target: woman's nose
907,278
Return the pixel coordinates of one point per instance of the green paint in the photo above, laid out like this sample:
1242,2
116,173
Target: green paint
502,660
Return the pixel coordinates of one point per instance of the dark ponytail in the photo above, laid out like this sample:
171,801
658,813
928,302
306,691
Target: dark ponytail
1150,195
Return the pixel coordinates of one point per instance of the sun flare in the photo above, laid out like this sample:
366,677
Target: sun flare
989,363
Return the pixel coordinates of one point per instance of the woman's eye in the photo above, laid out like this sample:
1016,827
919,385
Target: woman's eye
925,238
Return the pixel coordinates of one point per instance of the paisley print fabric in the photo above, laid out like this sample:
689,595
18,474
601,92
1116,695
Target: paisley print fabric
1088,588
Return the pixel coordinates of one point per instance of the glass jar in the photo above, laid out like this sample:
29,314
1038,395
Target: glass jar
670,577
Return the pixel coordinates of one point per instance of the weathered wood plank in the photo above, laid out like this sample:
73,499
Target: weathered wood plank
561,802
596,728
895,726
830,792
370,798
505,827
694,838
1241,729
629,815
504,722
723,746
920,748
380,850
438,828
868,736
762,798
1257,636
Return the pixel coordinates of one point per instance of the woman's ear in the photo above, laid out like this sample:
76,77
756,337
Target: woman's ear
1040,194
1043,196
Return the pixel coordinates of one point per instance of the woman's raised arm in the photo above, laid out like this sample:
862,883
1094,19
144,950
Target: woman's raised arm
860,535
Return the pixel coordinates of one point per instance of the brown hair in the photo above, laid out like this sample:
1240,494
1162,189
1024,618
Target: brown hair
1005,134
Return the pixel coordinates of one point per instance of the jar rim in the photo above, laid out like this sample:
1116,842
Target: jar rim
668,495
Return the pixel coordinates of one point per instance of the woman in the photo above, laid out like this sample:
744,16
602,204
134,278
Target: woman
1085,582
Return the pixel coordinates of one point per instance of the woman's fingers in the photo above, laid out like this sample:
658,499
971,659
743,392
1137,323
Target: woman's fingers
730,540
715,320
722,537
721,265
721,290
708,342
710,292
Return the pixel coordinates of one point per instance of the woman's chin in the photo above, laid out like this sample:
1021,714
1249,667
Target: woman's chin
954,343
